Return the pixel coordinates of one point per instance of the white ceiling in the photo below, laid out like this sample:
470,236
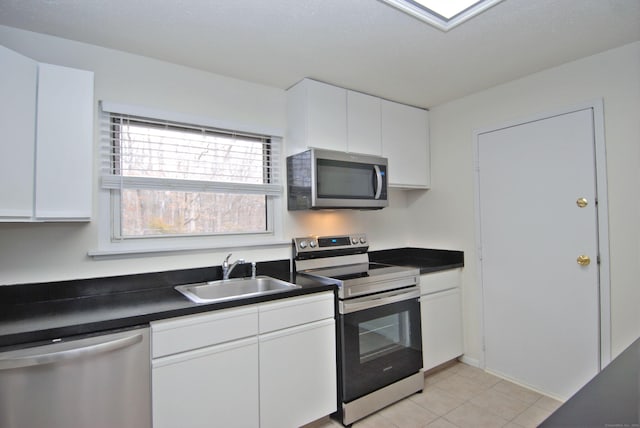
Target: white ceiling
364,45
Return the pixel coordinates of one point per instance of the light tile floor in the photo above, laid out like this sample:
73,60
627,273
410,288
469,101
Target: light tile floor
464,397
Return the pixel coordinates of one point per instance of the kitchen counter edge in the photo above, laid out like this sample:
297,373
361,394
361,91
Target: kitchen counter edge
74,308
35,314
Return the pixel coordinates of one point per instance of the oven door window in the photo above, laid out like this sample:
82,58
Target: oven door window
383,336
380,345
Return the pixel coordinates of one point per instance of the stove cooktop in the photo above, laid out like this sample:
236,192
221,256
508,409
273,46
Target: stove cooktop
344,261
365,278
356,271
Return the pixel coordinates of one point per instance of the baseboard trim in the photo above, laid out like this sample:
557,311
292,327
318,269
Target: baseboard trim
524,385
470,361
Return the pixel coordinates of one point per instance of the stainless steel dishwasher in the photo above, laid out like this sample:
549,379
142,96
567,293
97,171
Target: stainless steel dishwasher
99,381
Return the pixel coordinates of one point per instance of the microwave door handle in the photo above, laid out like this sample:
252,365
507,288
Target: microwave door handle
378,181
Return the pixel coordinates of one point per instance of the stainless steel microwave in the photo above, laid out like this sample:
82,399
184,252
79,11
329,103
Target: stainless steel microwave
327,179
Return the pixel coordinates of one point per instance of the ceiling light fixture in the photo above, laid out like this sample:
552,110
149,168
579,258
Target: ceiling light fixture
443,14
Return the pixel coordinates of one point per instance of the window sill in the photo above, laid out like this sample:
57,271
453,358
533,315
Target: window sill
121,253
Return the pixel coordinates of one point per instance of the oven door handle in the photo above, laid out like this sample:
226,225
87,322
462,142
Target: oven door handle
362,303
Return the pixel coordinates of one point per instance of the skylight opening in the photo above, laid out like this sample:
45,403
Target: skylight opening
447,8
443,14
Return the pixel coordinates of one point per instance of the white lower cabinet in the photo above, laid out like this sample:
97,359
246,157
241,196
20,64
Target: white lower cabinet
297,360
210,387
441,308
205,370
297,375
265,365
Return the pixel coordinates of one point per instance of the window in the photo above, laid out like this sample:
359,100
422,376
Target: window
443,14
168,179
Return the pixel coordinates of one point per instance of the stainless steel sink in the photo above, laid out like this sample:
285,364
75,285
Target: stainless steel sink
232,289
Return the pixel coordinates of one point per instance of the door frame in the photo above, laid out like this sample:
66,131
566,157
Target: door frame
602,210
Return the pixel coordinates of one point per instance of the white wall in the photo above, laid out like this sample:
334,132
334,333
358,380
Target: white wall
444,217
50,252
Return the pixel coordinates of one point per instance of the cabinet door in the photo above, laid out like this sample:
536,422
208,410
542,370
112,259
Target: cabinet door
441,327
298,375
64,161
317,117
405,141
209,387
18,124
326,116
363,124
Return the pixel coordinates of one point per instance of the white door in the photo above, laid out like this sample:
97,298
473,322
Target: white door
540,306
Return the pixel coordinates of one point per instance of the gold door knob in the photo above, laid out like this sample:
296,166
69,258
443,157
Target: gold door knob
584,260
582,202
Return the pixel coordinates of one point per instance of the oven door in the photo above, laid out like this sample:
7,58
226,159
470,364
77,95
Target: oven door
380,340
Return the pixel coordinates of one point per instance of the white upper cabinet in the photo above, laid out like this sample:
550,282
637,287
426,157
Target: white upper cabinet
363,123
46,115
405,142
64,158
328,117
317,117
17,144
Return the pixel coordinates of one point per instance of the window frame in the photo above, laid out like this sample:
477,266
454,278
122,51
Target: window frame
108,200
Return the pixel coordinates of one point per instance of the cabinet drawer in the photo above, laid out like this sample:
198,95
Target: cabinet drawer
197,331
295,311
439,281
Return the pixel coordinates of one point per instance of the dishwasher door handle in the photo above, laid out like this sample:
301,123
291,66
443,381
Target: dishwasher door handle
69,354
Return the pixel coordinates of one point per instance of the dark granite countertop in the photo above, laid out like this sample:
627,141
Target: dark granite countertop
39,313
426,259
611,399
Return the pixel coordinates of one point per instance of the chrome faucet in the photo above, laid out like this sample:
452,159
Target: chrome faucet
227,269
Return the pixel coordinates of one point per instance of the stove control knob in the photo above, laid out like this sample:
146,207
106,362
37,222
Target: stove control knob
354,241
363,240
303,244
312,244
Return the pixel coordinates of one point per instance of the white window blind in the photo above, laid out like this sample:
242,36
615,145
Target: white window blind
142,153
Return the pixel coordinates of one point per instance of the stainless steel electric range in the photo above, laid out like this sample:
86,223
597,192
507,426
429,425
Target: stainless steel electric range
378,328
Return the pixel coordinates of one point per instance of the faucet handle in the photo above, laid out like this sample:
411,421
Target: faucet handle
226,260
